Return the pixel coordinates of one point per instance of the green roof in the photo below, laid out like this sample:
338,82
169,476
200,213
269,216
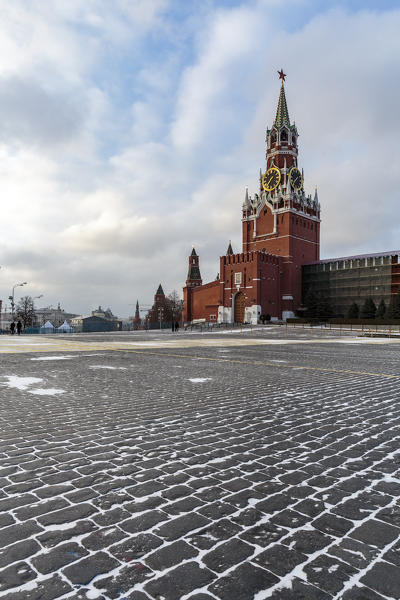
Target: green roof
282,113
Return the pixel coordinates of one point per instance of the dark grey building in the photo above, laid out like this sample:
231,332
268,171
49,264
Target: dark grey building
350,279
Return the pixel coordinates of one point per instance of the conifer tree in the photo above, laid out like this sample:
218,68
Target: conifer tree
381,310
393,310
354,311
368,310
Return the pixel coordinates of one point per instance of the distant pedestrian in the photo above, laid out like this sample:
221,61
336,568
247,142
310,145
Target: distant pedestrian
12,328
176,327
173,326
19,327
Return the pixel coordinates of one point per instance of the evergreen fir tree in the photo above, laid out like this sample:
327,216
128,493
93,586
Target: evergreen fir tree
381,310
311,304
393,310
354,311
368,310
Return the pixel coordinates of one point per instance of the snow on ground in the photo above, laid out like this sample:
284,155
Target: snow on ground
21,383
56,357
46,392
200,379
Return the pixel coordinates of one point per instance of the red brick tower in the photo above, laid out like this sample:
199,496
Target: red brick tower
281,219
193,276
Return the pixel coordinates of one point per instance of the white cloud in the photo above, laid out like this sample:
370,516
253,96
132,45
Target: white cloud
127,136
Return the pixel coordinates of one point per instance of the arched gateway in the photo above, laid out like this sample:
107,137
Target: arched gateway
239,308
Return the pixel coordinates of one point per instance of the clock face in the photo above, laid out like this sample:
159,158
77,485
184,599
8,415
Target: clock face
296,180
271,179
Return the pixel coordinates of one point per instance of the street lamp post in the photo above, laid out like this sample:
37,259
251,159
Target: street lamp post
12,297
34,314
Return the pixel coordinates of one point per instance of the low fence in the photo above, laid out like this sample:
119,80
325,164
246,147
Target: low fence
365,326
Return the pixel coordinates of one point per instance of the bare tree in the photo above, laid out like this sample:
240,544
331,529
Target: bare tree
26,311
176,304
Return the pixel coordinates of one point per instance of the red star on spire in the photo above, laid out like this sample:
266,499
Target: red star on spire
282,75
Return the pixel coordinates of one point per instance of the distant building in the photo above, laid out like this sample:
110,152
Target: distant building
99,320
137,321
160,315
56,316
342,281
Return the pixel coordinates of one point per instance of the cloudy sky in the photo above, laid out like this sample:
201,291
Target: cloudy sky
130,128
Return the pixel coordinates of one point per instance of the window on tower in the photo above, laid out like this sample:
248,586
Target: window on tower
284,136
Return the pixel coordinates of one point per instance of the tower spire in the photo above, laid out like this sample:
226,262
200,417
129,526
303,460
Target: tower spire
282,113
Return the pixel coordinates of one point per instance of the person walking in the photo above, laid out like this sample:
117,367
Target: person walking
176,326
12,328
19,327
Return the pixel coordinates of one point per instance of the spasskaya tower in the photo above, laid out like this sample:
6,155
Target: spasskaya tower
280,227
281,219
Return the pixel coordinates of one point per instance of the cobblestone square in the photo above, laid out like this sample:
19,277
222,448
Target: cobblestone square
228,466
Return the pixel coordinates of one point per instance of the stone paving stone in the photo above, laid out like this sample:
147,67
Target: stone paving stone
180,526
140,505
102,538
47,589
111,517
66,515
21,500
355,553
310,507
15,575
275,503
85,570
376,533
264,534
6,519
243,583
52,491
144,522
52,538
135,547
177,491
170,555
207,538
300,590
290,518
279,559
393,555
58,557
145,489
247,517
308,542
332,524
390,515
361,593
15,533
81,495
18,551
241,499
384,578
34,510
183,506
179,581
227,555
328,573
126,579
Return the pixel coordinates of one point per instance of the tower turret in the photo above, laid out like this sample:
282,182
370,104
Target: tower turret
193,276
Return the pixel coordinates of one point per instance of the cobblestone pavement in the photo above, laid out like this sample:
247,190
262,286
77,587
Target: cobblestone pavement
249,468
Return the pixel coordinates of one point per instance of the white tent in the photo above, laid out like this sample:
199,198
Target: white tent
65,327
47,328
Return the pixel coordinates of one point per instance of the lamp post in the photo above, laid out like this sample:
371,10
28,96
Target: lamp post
34,314
12,296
